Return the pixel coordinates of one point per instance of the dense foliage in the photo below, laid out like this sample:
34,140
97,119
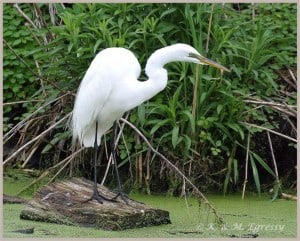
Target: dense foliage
200,121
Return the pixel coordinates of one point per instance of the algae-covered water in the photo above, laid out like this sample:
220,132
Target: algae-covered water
252,217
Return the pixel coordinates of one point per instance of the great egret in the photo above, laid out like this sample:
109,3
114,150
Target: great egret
111,87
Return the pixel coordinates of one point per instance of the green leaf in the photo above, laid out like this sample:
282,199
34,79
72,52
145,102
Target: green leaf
219,109
235,170
16,42
255,174
175,133
191,119
263,163
99,41
158,125
202,97
225,130
141,113
237,128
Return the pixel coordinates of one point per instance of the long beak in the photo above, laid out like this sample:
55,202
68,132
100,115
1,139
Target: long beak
210,62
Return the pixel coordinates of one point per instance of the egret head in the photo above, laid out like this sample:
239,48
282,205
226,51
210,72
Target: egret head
189,54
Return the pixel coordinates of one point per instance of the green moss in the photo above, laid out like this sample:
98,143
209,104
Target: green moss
252,216
15,180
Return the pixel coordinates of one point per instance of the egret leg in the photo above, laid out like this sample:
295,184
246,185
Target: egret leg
96,195
113,152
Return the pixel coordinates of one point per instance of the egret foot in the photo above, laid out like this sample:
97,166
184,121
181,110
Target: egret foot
98,197
123,196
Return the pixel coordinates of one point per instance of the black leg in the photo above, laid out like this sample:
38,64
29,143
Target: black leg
113,153
96,195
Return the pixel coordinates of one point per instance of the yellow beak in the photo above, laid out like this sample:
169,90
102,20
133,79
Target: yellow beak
210,62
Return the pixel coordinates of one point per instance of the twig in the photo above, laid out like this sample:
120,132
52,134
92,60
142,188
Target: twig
273,157
260,102
29,21
24,15
293,77
43,175
246,166
290,113
292,125
172,166
267,129
19,57
21,102
287,79
34,139
195,92
33,35
276,106
290,109
21,123
41,79
110,160
288,196
48,171
30,69
67,160
52,11
209,28
253,11
40,15
35,147
287,93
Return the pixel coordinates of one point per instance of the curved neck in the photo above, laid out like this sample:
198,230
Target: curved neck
157,75
159,58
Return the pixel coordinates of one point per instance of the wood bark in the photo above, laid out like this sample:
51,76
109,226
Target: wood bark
66,203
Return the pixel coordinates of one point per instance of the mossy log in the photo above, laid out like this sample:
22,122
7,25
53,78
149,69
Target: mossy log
64,203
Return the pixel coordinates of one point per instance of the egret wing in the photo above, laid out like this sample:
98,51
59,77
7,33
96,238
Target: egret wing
90,99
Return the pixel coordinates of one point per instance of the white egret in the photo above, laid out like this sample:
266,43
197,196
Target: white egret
111,87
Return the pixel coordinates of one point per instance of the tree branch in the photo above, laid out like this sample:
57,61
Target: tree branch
34,139
172,166
274,132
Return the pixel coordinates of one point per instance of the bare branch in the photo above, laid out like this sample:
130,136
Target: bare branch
284,108
24,15
21,102
246,166
273,156
8,135
34,139
30,69
48,171
172,166
274,132
293,77
260,102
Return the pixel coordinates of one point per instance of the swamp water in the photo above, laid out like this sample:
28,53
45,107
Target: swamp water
252,217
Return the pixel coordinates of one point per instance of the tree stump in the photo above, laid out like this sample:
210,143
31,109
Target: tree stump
63,203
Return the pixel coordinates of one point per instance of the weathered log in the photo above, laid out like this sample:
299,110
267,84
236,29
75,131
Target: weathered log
13,199
64,203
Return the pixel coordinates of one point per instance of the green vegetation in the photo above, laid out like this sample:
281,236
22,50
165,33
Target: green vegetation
200,122
252,217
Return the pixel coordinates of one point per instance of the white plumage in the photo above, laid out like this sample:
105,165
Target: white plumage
100,94
111,87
